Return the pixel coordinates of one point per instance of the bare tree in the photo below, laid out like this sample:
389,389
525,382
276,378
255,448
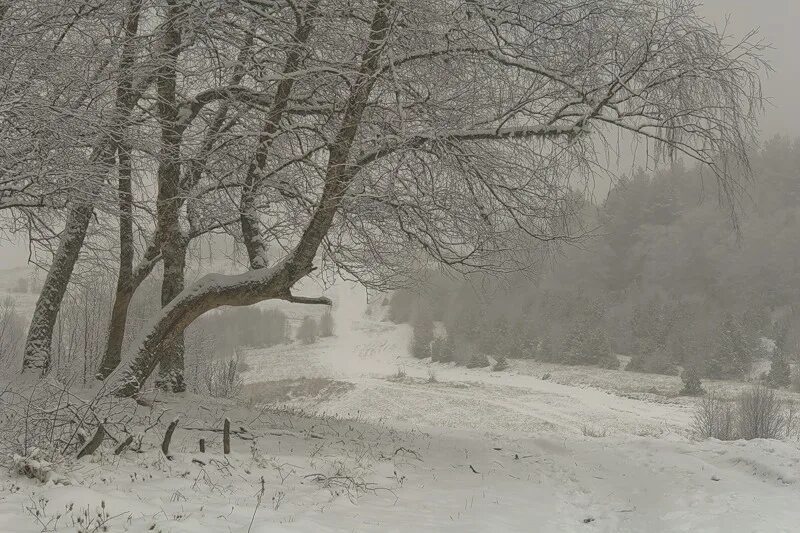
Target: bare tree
461,128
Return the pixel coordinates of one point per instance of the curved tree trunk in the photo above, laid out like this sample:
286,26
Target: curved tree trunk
257,285
210,292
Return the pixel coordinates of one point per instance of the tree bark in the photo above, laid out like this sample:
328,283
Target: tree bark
38,345
126,288
173,245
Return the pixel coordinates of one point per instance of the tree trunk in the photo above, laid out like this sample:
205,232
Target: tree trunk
173,244
40,334
38,345
171,368
126,288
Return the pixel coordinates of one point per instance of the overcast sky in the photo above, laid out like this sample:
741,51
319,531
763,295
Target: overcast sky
777,22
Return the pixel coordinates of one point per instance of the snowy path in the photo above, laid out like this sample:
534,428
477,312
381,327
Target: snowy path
479,399
474,451
643,474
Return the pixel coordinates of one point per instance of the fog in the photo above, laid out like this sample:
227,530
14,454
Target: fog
393,265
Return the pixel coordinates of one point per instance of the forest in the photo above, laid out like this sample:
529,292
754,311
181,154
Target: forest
668,277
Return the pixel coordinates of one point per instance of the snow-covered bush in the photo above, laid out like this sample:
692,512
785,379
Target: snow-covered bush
760,414
49,421
34,466
223,379
442,350
732,356
757,413
501,364
714,418
588,346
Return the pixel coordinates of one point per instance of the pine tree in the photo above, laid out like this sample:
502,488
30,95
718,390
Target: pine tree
692,386
780,374
589,346
326,325
732,358
442,350
422,335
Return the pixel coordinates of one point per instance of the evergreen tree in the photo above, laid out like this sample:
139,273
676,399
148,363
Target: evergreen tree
780,374
442,350
326,325
588,346
732,358
692,386
422,336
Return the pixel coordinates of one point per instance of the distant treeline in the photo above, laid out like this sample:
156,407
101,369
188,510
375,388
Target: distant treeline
673,278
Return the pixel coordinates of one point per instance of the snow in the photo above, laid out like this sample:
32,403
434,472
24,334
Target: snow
471,450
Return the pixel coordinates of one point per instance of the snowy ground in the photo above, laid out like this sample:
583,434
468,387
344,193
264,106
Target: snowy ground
376,441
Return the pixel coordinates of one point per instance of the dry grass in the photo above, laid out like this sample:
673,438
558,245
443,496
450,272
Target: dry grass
286,390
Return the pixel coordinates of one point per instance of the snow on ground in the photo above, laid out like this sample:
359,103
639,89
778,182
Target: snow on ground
359,446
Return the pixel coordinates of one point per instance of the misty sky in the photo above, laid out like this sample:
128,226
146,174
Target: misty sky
776,21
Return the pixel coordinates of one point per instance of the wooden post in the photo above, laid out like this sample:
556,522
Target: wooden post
226,437
202,445
168,437
121,448
95,443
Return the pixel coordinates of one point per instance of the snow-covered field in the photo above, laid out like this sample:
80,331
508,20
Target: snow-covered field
351,434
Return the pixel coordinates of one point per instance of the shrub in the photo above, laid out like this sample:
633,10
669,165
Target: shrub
757,413
714,418
478,360
501,364
760,414
400,375
223,379
308,331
